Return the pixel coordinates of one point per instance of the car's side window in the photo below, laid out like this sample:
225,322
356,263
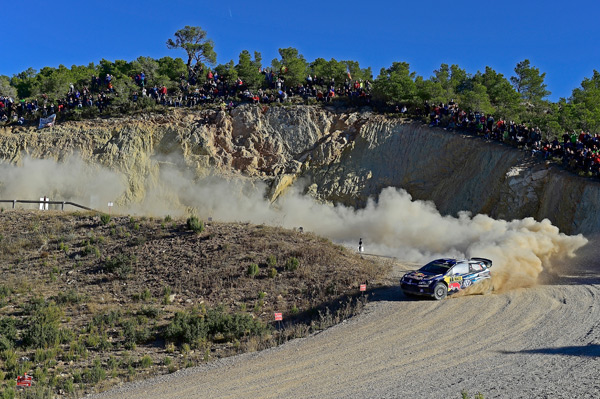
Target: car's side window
461,268
476,267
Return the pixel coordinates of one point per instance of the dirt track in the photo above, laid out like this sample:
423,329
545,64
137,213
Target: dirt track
541,342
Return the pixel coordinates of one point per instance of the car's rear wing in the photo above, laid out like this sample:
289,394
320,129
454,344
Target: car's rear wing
487,262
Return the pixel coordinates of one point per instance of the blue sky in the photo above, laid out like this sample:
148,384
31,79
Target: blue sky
560,38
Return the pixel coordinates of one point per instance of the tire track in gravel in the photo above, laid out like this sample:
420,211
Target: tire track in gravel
528,343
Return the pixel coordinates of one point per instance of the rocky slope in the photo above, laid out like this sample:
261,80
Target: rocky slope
342,156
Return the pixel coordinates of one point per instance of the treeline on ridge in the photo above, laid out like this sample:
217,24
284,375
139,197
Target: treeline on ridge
521,98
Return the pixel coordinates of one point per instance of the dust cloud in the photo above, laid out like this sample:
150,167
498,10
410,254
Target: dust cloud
72,180
394,225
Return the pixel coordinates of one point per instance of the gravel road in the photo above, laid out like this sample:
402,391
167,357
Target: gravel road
540,342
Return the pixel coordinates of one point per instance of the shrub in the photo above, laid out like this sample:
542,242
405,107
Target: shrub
146,362
68,386
95,374
292,264
8,333
108,319
252,270
6,343
150,311
146,295
69,297
192,327
88,249
134,334
194,224
105,219
43,331
271,261
168,218
63,247
272,272
121,265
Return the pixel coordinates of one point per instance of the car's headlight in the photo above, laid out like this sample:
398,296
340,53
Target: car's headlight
424,283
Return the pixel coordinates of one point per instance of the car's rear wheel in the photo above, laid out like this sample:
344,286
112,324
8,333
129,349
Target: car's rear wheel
440,291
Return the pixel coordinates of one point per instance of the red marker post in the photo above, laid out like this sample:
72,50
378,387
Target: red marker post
363,287
278,319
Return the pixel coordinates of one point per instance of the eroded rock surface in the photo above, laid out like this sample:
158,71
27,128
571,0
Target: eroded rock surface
343,157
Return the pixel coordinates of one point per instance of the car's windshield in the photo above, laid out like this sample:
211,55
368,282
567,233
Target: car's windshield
435,268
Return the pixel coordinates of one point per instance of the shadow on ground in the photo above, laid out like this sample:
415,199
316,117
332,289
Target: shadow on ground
592,350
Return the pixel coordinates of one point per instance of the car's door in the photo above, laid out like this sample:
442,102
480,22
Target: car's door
456,277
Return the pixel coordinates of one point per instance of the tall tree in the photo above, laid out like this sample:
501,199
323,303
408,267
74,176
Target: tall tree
193,40
529,82
292,66
24,82
396,84
5,88
585,102
477,99
227,72
249,70
171,67
501,93
453,80
356,72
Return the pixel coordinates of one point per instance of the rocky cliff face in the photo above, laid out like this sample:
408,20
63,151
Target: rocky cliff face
344,157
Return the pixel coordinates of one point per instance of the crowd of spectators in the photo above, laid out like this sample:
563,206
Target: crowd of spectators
578,152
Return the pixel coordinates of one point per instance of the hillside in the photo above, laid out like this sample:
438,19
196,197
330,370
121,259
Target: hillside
88,302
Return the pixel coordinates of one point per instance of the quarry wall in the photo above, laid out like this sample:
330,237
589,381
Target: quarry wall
338,156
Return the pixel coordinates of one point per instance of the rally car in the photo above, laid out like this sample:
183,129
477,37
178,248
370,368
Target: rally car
443,277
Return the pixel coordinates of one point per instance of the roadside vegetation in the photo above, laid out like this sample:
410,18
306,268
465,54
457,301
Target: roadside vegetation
88,301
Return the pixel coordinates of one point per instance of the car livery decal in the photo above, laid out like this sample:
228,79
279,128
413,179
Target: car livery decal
454,282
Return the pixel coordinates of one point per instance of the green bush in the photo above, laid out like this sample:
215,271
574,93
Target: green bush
146,295
108,319
121,265
272,272
292,264
194,224
252,270
8,333
42,329
104,219
69,297
271,261
95,374
150,311
89,249
146,362
189,327
134,334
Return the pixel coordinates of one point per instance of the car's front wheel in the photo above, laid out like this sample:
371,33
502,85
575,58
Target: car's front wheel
440,291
